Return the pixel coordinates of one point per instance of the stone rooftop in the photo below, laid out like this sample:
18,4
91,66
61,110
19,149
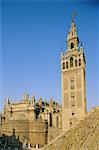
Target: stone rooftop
83,136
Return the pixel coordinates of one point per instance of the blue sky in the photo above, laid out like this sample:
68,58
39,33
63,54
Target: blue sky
32,37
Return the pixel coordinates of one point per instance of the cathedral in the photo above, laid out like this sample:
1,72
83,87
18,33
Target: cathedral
38,122
34,122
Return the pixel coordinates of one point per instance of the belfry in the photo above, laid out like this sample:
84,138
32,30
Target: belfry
73,78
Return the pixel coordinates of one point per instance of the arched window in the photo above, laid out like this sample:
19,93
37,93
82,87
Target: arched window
79,62
72,45
71,62
50,119
76,63
66,65
63,65
72,84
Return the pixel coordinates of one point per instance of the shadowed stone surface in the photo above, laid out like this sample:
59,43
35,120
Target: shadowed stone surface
83,136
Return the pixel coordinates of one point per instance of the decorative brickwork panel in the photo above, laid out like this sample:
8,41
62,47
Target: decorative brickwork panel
69,73
78,79
79,101
72,94
72,86
66,100
65,84
72,103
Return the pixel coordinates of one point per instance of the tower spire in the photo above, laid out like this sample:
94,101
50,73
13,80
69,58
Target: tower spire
73,76
73,15
72,37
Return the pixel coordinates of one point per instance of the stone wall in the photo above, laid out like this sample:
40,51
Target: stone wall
33,132
82,136
53,132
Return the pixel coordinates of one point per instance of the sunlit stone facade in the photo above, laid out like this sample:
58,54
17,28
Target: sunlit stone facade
73,77
84,135
35,122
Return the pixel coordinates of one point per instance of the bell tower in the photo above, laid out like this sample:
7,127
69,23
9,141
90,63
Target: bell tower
73,79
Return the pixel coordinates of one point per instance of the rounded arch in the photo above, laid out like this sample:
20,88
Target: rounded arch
72,45
79,62
71,62
76,63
